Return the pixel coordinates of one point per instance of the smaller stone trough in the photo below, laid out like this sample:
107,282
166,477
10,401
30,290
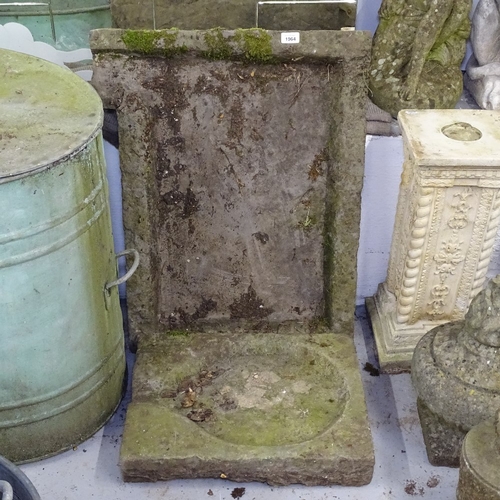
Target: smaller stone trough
242,162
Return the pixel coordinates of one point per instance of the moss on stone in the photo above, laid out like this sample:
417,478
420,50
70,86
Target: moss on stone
178,333
218,46
256,44
318,324
154,41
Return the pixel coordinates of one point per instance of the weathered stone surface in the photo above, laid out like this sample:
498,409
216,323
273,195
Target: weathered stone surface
456,373
479,477
230,14
241,180
416,54
482,77
257,407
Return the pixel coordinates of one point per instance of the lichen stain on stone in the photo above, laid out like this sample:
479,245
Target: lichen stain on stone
181,318
191,204
204,85
188,201
237,121
261,237
154,41
315,169
249,306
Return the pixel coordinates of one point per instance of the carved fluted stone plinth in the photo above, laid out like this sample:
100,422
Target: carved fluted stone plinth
446,221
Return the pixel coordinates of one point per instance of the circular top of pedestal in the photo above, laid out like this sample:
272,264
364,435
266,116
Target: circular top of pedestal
481,454
452,137
47,113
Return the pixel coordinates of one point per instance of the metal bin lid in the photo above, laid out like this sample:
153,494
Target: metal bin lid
47,114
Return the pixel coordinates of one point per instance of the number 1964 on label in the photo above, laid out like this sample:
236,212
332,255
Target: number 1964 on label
290,37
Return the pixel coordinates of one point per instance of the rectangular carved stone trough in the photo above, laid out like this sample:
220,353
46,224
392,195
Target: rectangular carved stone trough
242,165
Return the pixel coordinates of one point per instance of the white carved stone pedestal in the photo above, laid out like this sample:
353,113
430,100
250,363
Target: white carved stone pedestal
446,221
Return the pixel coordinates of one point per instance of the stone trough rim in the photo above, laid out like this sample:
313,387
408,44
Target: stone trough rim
318,46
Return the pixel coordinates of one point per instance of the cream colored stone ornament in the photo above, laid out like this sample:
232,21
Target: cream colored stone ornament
446,221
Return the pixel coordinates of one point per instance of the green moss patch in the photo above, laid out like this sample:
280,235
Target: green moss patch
218,46
256,44
178,333
154,41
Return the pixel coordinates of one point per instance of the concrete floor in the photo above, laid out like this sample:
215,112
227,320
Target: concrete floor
402,471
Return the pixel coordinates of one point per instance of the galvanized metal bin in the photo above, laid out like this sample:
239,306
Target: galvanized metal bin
61,335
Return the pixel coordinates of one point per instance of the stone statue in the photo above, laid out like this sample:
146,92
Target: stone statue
482,78
417,51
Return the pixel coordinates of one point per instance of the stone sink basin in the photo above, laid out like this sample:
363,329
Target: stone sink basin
261,406
242,164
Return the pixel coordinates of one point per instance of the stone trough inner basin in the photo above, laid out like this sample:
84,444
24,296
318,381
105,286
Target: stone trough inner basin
257,391
242,165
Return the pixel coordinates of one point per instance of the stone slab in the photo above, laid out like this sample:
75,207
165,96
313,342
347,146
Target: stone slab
277,408
241,176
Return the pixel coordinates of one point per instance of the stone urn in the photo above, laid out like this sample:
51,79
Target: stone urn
480,462
456,373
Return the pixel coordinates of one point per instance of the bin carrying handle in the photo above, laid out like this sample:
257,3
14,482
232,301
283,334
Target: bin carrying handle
129,273
6,491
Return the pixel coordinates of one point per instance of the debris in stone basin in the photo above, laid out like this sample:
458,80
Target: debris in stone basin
186,384
201,415
189,398
196,383
224,399
168,393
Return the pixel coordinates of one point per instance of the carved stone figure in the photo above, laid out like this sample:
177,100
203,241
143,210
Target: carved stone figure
416,54
482,78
